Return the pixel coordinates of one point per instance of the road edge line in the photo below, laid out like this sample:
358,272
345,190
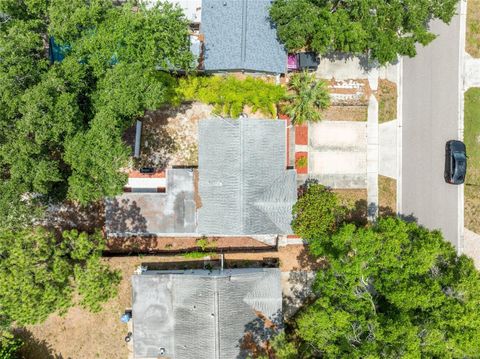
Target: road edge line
461,114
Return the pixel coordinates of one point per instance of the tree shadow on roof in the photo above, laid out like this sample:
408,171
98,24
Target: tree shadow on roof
258,333
124,216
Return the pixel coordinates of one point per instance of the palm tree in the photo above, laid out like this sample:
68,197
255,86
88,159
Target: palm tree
311,96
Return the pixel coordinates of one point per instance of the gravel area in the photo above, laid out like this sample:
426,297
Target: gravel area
170,135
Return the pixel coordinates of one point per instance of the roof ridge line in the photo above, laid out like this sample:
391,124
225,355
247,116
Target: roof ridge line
243,45
242,175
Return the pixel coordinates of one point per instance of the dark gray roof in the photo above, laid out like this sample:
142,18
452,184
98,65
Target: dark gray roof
202,314
154,213
244,186
240,36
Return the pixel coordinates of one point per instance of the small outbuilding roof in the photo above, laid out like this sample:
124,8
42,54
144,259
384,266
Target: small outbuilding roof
244,185
240,36
203,314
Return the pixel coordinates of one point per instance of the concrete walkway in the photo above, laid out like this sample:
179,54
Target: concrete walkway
472,72
472,246
387,137
372,158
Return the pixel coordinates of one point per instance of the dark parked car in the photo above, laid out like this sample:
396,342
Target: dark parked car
455,162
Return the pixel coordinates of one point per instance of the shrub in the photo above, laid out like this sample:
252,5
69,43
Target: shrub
302,162
9,345
309,98
316,213
230,95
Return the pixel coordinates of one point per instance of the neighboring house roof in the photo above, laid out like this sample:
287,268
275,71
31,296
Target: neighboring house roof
240,36
203,314
244,185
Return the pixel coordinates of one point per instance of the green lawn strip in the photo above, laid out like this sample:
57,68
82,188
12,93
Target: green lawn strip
387,101
473,28
472,141
387,195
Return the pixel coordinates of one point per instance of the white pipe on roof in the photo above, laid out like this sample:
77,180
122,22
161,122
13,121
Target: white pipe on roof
138,135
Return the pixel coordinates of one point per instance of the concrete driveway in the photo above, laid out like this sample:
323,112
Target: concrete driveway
432,112
338,153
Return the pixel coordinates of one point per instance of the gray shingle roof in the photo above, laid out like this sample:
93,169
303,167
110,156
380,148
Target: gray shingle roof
240,36
243,182
202,314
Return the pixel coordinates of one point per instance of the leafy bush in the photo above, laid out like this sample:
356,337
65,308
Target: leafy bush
230,95
9,345
302,162
309,98
317,212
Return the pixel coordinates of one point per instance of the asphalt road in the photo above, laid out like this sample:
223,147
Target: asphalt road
430,119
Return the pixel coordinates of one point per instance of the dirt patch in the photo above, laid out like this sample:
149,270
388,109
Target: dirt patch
387,196
346,113
83,335
473,28
387,101
179,244
170,136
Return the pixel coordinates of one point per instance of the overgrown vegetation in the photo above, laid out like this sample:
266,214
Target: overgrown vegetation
310,96
317,212
9,345
473,28
472,142
39,273
381,29
387,101
230,95
61,124
205,248
387,196
388,290
301,162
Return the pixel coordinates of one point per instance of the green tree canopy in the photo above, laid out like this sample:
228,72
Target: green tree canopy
61,124
39,273
391,290
379,28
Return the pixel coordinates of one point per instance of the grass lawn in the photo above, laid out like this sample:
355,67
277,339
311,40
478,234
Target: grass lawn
472,141
387,101
356,202
387,196
345,113
473,28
